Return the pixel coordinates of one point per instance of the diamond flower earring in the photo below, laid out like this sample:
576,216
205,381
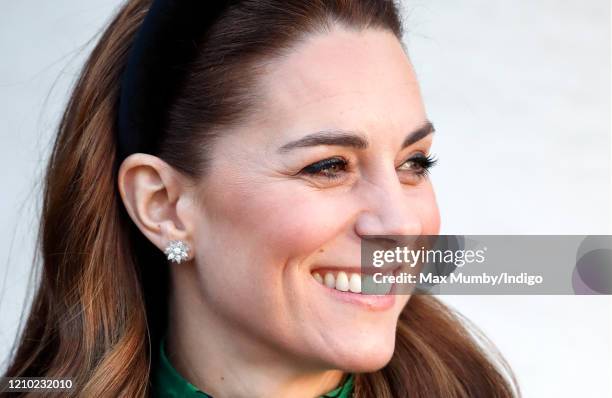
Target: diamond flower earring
177,251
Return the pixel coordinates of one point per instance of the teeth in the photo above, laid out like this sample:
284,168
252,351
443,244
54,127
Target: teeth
342,281
330,281
355,283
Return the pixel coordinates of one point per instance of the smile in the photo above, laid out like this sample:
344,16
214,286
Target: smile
340,281
348,282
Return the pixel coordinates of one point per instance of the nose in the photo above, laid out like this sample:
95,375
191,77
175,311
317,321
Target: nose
387,208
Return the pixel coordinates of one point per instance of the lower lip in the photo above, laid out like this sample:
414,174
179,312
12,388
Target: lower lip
367,301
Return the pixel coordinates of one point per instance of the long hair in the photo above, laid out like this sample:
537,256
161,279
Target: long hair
100,306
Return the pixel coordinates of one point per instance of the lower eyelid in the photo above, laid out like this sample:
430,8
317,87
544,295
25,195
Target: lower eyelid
424,162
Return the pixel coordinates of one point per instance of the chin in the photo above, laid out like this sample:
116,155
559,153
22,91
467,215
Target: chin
367,355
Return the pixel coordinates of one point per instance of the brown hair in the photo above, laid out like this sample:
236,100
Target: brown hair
97,313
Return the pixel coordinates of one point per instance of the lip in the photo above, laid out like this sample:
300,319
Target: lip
368,302
355,270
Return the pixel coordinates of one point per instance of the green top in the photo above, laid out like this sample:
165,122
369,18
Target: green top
168,383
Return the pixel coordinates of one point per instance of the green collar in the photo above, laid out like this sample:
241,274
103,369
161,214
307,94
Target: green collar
170,384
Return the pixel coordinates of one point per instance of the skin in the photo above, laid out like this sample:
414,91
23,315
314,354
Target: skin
247,317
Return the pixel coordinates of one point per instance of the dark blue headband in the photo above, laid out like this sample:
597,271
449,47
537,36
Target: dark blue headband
163,47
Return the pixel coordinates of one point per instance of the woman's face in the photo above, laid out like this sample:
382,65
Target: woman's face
291,194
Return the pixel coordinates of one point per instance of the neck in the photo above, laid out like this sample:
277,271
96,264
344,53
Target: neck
221,361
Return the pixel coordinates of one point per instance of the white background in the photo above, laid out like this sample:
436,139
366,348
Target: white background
519,92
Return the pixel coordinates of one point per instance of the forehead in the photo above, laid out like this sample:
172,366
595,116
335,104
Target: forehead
344,79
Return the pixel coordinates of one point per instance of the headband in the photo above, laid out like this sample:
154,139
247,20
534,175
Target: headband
157,63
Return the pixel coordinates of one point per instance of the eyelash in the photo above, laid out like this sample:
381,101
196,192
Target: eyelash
321,168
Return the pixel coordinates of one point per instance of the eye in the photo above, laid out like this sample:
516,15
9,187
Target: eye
331,168
417,166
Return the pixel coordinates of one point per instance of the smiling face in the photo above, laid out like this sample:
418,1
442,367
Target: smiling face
338,152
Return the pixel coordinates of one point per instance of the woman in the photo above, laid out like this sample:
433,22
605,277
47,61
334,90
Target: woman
214,172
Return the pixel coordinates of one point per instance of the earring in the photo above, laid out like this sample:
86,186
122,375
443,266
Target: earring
177,251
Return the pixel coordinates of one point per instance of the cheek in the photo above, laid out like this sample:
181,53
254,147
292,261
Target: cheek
294,222
291,221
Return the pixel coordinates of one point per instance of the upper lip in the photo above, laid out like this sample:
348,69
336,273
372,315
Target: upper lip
354,270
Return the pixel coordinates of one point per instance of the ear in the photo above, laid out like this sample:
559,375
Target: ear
158,199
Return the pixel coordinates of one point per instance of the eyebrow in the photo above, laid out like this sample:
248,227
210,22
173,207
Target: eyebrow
351,139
